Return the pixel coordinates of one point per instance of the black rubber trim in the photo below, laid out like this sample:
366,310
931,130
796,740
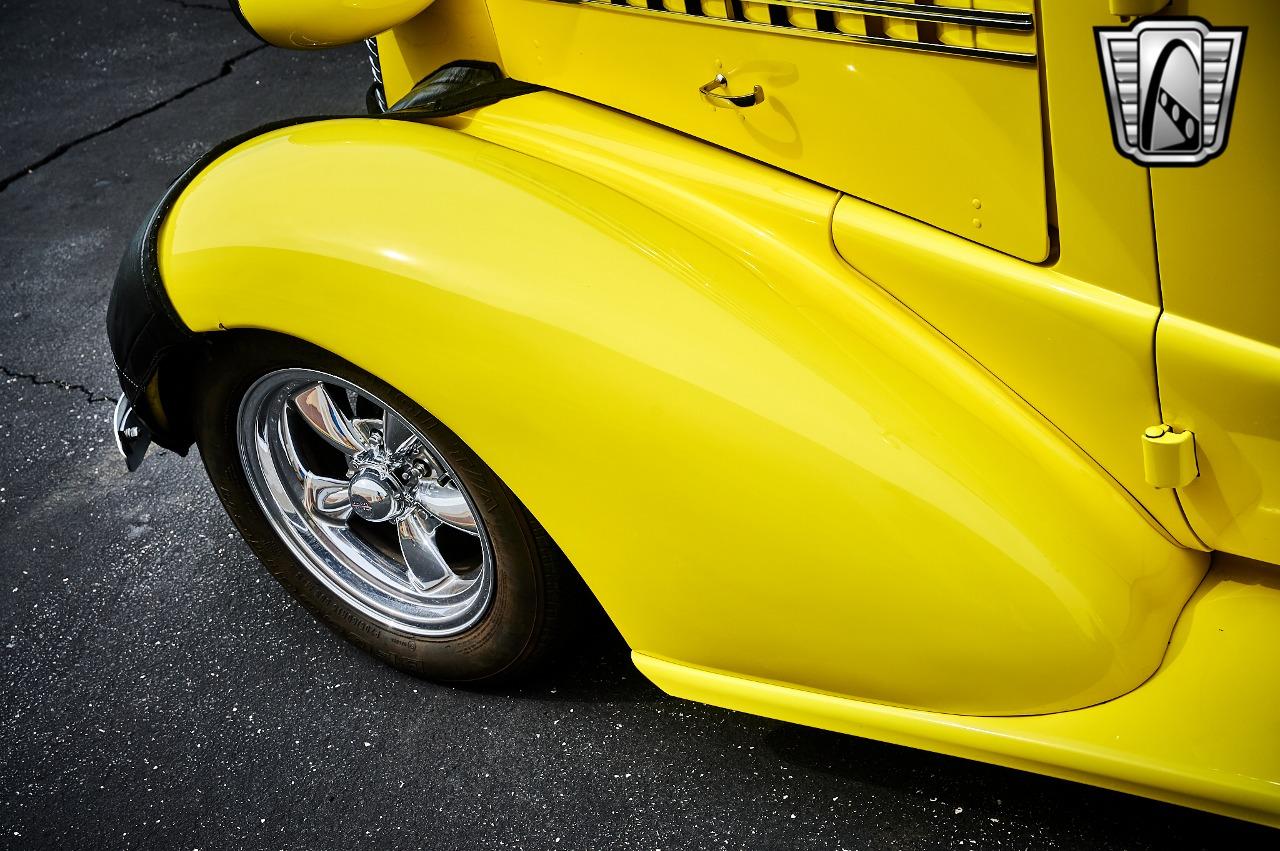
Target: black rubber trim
458,87
143,326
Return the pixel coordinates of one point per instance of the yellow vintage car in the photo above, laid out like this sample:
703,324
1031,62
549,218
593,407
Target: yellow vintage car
904,369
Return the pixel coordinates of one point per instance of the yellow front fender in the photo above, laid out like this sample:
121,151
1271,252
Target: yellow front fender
761,465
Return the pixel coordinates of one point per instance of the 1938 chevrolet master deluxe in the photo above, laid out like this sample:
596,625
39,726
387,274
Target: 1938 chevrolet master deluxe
905,369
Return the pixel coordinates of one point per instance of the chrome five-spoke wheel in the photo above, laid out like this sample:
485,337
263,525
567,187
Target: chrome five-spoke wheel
366,502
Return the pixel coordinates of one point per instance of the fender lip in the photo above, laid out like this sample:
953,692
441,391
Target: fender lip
143,326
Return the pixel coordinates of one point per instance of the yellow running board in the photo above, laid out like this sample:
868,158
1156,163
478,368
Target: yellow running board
1203,732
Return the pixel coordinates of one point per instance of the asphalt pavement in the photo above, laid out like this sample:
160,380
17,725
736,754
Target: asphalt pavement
159,690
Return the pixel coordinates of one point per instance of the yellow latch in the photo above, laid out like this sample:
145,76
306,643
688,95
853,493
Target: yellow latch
1169,457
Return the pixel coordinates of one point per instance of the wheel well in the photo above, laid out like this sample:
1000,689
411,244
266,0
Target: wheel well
175,390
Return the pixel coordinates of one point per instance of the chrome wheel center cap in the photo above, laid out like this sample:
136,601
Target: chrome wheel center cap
374,497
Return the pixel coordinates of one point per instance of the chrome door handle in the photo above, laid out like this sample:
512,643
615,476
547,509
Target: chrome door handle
721,82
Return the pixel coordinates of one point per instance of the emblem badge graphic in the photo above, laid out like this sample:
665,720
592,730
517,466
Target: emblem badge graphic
1170,87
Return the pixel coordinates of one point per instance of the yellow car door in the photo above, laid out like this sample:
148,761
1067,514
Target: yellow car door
940,122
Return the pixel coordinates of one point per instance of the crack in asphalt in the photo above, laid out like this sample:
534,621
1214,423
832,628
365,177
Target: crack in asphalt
40,381
227,67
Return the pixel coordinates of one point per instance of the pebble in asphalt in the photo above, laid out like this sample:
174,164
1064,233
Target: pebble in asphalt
160,691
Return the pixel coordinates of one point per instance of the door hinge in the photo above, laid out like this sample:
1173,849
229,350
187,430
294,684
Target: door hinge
1169,457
